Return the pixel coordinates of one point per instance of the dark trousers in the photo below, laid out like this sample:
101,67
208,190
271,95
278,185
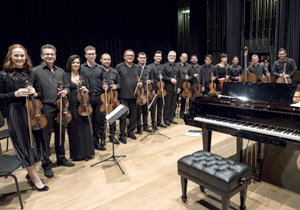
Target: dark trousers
97,119
156,106
142,110
50,112
112,127
131,104
182,105
170,106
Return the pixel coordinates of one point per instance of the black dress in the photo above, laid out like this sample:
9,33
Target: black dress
79,131
17,118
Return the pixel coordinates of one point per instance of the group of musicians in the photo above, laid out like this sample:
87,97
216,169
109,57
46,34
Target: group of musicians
143,88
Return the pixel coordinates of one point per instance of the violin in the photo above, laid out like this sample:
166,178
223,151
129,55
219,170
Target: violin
141,96
114,96
186,93
106,106
197,88
148,88
161,88
247,76
84,109
64,116
36,120
284,79
212,86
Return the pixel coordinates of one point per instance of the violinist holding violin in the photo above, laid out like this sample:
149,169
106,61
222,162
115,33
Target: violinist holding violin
207,69
156,68
128,72
112,78
142,109
48,77
79,130
278,66
17,69
186,78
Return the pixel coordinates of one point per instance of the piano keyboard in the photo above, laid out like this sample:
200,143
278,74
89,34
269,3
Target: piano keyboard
279,132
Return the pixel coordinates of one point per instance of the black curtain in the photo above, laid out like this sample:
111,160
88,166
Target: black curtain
288,34
70,25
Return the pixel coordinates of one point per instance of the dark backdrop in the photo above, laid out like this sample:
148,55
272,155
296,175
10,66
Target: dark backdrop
70,25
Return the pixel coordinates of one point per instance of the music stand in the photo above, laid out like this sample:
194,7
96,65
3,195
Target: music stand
111,118
154,132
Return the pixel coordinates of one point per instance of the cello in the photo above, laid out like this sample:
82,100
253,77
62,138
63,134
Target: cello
284,79
64,116
247,76
270,78
36,119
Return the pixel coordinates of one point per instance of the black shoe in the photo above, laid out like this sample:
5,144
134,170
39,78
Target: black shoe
102,147
64,162
140,132
161,125
131,135
154,127
123,140
147,130
167,123
114,140
173,122
48,173
45,188
97,146
182,116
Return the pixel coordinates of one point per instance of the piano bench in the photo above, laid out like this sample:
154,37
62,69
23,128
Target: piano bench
223,176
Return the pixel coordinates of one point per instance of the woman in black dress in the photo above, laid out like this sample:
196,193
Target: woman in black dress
79,130
17,68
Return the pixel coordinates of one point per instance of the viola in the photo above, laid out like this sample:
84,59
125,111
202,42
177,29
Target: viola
106,106
64,116
114,96
212,86
247,76
161,88
186,93
148,89
141,95
197,88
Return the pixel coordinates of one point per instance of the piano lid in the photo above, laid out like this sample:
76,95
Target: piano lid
273,93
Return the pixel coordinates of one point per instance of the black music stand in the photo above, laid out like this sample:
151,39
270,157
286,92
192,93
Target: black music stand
154,132
111,118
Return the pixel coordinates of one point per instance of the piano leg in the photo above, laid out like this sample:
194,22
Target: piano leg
206,138
239,149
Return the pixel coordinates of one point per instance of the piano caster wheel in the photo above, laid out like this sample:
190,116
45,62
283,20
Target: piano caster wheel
202,189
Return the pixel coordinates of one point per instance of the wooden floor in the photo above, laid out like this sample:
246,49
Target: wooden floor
150,180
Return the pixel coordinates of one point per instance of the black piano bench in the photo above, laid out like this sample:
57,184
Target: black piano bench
220,175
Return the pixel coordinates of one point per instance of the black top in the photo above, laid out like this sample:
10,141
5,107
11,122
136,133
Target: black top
12,81
235,71
222,71
111,74
258,70
290,68
48,82
155,68
197,70
185,69
171,71
94,76
206,73
128,80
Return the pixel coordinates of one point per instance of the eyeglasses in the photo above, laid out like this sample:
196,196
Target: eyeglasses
129,55
49,54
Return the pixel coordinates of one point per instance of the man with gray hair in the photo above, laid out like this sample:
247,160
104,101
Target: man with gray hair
171,77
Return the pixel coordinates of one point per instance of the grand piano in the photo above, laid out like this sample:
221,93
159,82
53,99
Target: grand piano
263,112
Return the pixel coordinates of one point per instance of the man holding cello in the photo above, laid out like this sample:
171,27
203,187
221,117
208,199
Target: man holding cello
284,68
112,78
49,76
